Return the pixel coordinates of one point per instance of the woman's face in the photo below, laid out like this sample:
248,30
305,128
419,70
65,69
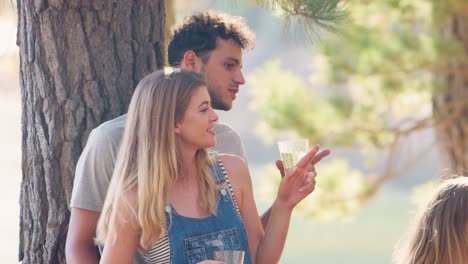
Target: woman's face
196,129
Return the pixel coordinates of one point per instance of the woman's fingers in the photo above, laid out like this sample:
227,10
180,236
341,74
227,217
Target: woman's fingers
307,159
308,184
312,157
306,163
320,156
300,180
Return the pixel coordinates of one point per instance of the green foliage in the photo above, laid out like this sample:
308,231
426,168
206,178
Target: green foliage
339,193
379,74
285,102
373,84
393,41
309,17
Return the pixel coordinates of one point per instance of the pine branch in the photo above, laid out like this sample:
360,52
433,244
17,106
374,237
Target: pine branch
310,16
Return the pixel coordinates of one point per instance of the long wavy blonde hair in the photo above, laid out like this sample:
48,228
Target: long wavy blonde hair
149,159
440,233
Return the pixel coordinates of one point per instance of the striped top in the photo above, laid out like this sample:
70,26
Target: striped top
160,253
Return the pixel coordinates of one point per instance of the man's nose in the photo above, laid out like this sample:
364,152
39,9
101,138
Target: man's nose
239,78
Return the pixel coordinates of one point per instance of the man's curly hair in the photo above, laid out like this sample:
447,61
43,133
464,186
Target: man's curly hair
199,33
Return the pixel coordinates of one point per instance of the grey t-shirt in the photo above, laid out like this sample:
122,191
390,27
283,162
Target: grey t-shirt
96,164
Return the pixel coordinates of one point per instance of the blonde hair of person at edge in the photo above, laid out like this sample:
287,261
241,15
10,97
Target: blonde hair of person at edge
163,186
440,233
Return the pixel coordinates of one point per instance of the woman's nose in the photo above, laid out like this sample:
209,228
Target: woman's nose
214,117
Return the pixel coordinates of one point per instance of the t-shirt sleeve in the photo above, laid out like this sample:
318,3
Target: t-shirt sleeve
229,142
94,170
242,153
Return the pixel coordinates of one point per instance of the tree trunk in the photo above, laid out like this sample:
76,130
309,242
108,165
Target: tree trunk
79,64
453,105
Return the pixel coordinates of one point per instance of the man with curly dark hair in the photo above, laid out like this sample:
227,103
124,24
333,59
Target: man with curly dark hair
212,43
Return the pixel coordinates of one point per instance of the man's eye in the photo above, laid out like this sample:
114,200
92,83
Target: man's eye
204,110
229,66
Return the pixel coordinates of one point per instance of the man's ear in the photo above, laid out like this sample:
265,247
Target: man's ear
190,61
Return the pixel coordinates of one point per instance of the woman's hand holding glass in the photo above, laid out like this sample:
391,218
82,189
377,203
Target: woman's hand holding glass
299,181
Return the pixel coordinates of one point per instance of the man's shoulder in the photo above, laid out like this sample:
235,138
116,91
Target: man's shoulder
109,131
228,140
231,159
223,128
96,164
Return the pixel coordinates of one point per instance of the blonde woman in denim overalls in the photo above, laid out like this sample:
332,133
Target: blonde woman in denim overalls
173,200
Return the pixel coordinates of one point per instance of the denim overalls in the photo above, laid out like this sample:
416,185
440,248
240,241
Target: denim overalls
194,239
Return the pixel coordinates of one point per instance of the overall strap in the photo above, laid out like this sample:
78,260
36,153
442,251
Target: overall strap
218,172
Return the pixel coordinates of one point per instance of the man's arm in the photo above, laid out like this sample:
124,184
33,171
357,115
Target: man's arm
92,177
265,217
80,247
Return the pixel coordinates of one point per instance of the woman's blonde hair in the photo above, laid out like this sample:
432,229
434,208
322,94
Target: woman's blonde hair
440,233
149,160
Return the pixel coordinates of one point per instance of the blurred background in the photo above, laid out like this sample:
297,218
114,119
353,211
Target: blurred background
335,91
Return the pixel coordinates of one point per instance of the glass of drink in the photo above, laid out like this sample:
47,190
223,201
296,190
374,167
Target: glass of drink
292,151
230,256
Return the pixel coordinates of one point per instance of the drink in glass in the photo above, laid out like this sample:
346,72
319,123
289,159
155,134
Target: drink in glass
292,151
230,256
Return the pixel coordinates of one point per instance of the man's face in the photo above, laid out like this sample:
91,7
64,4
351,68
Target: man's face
223,73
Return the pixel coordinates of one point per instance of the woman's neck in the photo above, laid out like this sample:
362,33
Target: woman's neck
189,168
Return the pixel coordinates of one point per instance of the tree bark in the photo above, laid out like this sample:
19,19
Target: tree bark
453,104
79,64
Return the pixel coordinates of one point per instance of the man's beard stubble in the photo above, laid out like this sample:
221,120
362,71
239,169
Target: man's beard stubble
216,100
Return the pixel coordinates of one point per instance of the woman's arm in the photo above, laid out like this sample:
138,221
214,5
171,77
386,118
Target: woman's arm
238,173
266,246
122,242
295,186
